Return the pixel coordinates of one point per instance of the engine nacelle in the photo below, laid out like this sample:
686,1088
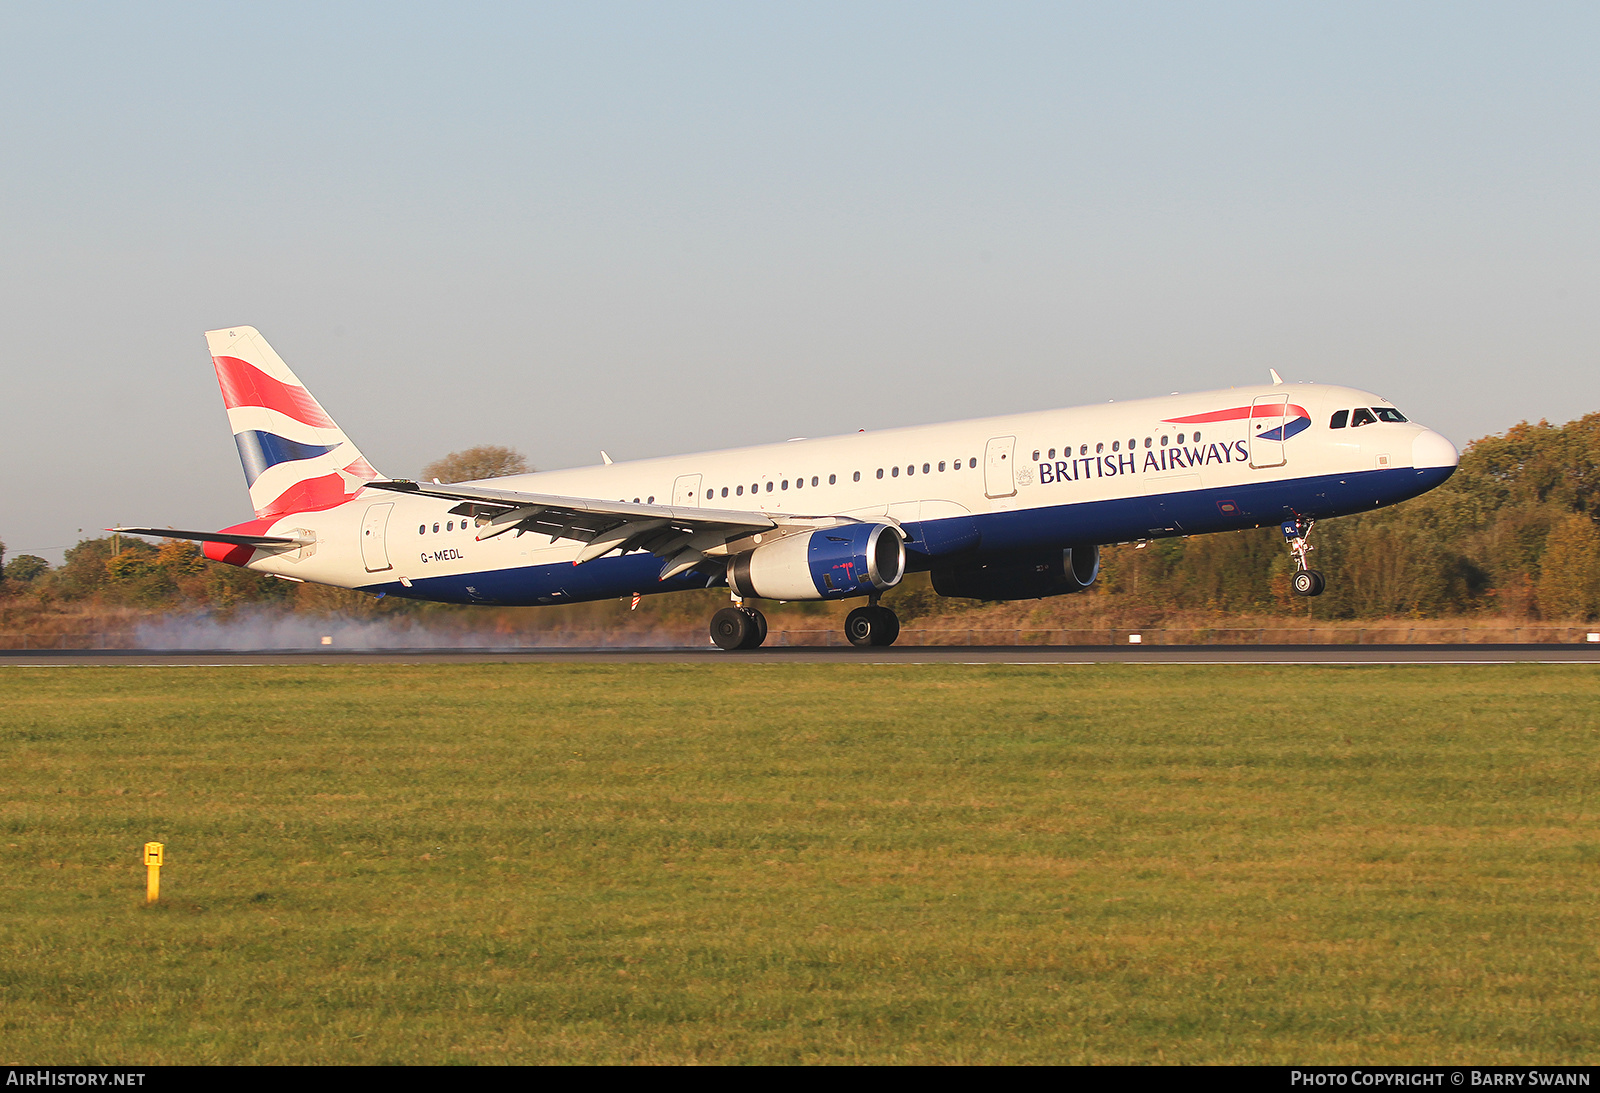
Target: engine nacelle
1020,577
826,564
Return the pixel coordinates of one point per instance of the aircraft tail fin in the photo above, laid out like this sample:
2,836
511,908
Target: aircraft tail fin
295,458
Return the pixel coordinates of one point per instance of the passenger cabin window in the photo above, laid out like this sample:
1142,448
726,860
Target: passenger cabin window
1116,445
724,491
739,492
1180,438
895,473
1339,420
941,466
1098,448
1147,442
769,487
1036,455
1362,416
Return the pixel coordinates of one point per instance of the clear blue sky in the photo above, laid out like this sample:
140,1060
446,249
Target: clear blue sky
666,227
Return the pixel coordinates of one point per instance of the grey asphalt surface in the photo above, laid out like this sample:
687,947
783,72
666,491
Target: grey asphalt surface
924,654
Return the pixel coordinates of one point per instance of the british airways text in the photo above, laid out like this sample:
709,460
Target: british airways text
1166,459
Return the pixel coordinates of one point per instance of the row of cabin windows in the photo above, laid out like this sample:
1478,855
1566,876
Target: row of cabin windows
799,484
1362,416
833,479
1116,446
816,480
927,468
931,468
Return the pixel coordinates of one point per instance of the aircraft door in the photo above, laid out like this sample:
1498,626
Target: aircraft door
1268,416
374,552
686,491
999,479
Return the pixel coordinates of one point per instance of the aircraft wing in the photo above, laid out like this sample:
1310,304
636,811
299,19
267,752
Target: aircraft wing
684,536
263,542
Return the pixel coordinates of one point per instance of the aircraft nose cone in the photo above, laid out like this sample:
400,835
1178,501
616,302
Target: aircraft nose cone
1432,450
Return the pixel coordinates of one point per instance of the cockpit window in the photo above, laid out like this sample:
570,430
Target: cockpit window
1340,419
1363,416
1386,414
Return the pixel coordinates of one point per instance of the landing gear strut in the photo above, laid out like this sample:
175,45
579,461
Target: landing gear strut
1306,581
871,625
738,627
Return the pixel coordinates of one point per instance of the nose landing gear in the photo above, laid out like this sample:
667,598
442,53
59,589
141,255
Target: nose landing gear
1306,581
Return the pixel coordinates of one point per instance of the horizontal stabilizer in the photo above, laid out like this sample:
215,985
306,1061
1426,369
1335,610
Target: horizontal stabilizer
262,542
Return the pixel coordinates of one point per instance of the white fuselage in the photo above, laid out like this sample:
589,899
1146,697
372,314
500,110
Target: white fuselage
1079,474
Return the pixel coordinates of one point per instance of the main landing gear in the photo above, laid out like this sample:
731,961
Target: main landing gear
741,627
871,625
1306,581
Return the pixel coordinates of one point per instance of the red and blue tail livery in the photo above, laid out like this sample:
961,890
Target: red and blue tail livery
1000,508
295,458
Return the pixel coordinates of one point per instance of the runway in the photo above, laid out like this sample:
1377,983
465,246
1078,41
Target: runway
909,655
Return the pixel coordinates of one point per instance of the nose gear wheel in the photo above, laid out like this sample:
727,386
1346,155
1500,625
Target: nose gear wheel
1306,581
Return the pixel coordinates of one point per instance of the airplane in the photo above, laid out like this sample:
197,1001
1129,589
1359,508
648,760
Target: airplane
998,508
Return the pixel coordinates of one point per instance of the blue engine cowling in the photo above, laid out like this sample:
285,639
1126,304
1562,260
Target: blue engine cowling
826,564
1020,577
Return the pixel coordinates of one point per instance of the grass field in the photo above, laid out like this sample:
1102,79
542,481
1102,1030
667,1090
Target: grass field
802,864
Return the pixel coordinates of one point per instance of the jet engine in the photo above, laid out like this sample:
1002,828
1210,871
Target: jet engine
1029,576
826,564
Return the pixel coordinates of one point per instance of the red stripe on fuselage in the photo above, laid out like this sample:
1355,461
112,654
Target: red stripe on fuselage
1236,414
243,384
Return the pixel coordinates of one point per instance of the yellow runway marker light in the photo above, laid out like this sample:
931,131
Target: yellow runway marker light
152,863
